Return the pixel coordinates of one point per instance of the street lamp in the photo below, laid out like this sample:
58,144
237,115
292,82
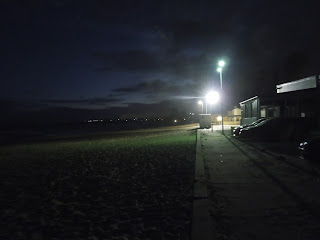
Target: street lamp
221,64
200,102
212,98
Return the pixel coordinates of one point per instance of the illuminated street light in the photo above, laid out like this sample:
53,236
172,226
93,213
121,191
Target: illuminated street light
200,102
212,97
221,63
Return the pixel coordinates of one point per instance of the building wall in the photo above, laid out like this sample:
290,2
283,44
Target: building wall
270,111
234,115
301,98
236,111
250,111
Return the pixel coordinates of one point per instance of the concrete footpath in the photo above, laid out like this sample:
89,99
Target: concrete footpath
244,194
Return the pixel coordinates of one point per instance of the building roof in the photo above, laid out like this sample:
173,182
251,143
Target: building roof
301,84
250,99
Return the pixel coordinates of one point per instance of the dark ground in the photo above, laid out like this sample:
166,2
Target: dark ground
134,186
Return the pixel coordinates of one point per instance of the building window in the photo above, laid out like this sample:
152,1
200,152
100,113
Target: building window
249,110
254,108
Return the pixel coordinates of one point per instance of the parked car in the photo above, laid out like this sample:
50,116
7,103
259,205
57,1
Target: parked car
278,128
237,130
309,148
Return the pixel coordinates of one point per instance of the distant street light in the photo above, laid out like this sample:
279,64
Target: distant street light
221,64
200,102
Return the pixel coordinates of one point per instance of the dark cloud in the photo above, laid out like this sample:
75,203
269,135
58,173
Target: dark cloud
7,105
89,101
184,64
160,89
132,60
145,87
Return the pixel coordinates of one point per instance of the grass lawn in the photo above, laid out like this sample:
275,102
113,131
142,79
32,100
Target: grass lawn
134,187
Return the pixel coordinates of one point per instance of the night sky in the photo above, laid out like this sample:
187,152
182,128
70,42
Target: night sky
148,58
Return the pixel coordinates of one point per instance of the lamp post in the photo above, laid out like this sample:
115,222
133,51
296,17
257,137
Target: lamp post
206,106
221,64
200,102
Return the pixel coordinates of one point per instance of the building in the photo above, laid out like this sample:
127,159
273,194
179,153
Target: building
205,120
232,118
301,98
257,107
298,98
234,115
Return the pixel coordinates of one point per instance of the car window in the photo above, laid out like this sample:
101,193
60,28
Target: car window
256,122
263,122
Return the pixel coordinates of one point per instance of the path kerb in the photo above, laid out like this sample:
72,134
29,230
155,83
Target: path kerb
201,227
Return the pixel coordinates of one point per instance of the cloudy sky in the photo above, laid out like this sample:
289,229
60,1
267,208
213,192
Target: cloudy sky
138,57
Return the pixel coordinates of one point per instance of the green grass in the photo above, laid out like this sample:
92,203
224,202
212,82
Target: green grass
137,187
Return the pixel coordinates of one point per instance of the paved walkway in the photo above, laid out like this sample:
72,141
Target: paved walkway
252,195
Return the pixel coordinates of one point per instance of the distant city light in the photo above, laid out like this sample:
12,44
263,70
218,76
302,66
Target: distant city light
219,118
175,121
